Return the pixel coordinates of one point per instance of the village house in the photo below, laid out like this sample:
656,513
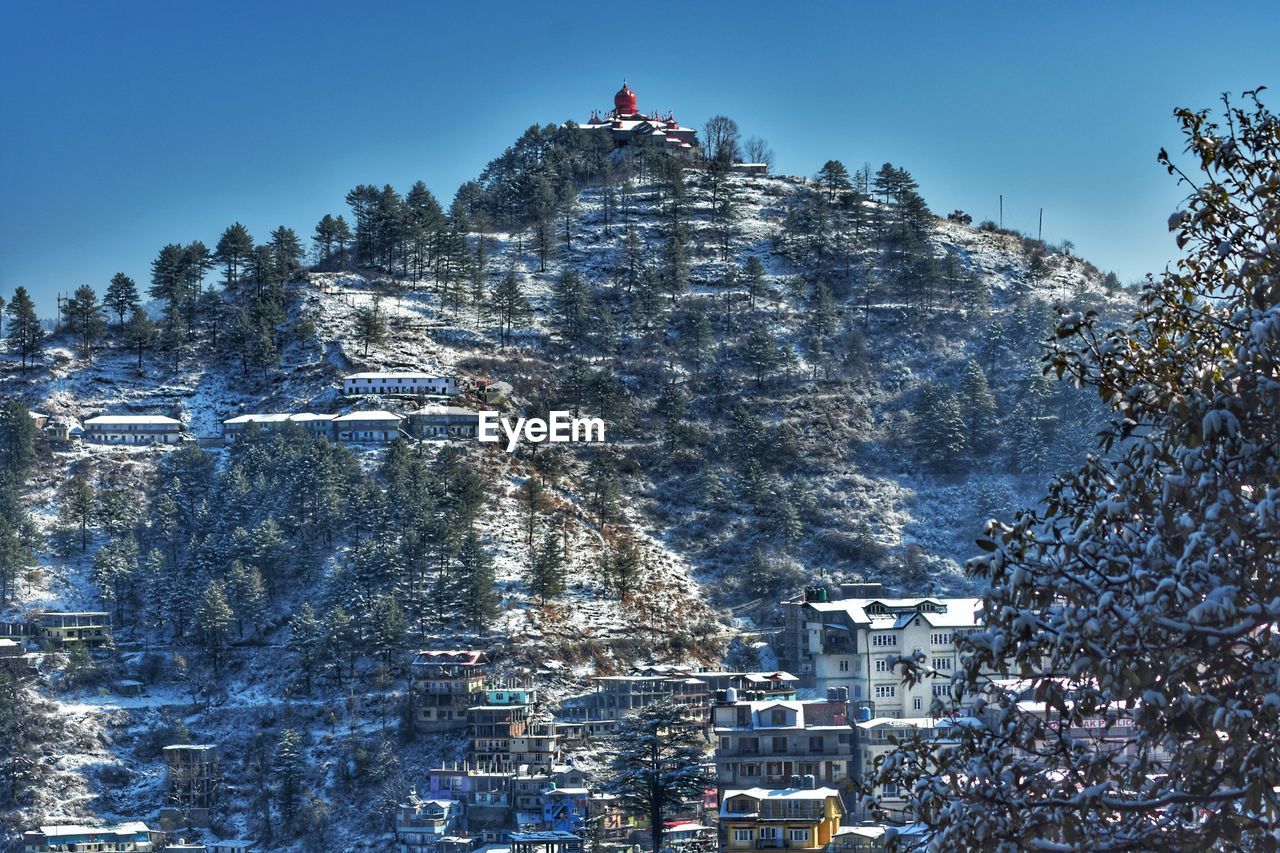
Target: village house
444,422
401,383
367,427
848,642
132,429
545,841
875,738
64,429
192,775
15,660
445,684
768,744
799,818
486,796
497,724
62,627
130,837
318,425
420,825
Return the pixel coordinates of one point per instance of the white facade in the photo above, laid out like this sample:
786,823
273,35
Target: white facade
851,642
132,429
315,424
399,383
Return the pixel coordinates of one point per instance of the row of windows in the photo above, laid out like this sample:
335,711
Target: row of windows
770,833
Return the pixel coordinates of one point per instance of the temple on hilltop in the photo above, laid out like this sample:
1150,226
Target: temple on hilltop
625,124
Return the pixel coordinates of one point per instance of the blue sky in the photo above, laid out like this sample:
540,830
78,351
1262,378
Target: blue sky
125,126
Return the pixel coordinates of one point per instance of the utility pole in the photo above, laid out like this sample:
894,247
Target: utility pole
1001,211
1040,230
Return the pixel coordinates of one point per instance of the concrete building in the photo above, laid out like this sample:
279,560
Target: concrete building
401,383
420,825
616,696
847,643
445,684
62,627
768,744
872,741
132,429
626,127
444,422
495,725
787,818
317,425
130,837
367,427
193,775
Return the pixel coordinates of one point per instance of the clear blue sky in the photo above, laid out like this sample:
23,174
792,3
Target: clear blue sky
127,125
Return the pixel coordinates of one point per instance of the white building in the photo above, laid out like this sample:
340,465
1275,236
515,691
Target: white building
315,424
367,427
444,422
875,738
407,382
132,429
133,837
849,642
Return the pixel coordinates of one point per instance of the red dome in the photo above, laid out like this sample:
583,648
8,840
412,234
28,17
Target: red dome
624,103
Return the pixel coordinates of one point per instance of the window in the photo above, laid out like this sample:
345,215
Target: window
742,835
778,717
844,666
882,665
768,833
941,638
749,770
884,640
779,746
941,691
917,703
816,743
889,789
886,691
798,834
857,691
942,664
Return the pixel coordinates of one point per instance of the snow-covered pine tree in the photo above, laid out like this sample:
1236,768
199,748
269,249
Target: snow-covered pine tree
1142,597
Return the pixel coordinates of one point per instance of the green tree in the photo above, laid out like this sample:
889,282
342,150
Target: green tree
761,354
139,333
476,583
122,295
84,319
657,764
287,766
306,641
834,178
509,304
26,337
234,250
546,575
978,408
938,436
213,623
370,325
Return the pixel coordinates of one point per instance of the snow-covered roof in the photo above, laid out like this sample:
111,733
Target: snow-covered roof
158,420
367,416
65,829
395,375
765,677
272,418
899,722
774,794
897,612
437,411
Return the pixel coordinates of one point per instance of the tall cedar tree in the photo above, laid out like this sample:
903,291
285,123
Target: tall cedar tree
121,296
26,337
657,764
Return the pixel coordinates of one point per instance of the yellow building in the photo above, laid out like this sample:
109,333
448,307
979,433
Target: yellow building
786,818
74,627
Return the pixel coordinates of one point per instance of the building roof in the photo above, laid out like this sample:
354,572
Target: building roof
368,416
775,794
395,374
469,657
132,419
899,722
190,746
273,418
437,411
66,829
897,612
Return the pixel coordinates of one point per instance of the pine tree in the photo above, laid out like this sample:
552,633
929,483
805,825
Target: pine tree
287,251
234,250
834,178
761,354
247,597
509,304
306,641
122,295
26,337
623,563
389,629
213,623
78,504
656,764
370,325
139,333
753,279
287,766
939,437
978,408
546,576
476,583
114,571
84,319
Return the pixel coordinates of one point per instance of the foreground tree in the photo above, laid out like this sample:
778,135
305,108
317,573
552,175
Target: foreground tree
1146,586
657,763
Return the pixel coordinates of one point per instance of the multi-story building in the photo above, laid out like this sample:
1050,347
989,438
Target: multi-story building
616,696
444,422
767,744
786,818
131,837
399,383
849,643
537,749
192,775
422,824
446,683
875,738
497,724
367,427
62,627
